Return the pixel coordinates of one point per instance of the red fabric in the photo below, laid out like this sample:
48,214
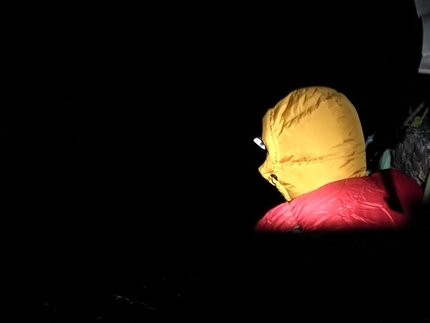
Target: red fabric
383,200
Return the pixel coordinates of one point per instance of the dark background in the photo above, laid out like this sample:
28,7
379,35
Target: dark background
126,137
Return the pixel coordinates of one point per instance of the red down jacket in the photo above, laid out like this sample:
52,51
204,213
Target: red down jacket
383,200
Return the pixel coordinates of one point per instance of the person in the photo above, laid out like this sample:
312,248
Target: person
316,158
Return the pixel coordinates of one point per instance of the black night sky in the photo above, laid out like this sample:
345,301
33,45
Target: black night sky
129,177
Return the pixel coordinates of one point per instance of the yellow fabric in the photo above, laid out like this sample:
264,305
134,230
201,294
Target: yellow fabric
313,136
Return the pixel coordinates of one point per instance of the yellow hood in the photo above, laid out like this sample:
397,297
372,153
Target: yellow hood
313,136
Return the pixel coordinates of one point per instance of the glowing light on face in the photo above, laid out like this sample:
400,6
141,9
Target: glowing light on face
260,143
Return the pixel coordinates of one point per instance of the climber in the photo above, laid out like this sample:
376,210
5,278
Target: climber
316,158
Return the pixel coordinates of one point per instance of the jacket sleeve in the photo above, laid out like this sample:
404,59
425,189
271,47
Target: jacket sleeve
278,219
384,200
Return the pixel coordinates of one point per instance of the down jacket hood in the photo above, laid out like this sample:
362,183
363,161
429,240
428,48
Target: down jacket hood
313,136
